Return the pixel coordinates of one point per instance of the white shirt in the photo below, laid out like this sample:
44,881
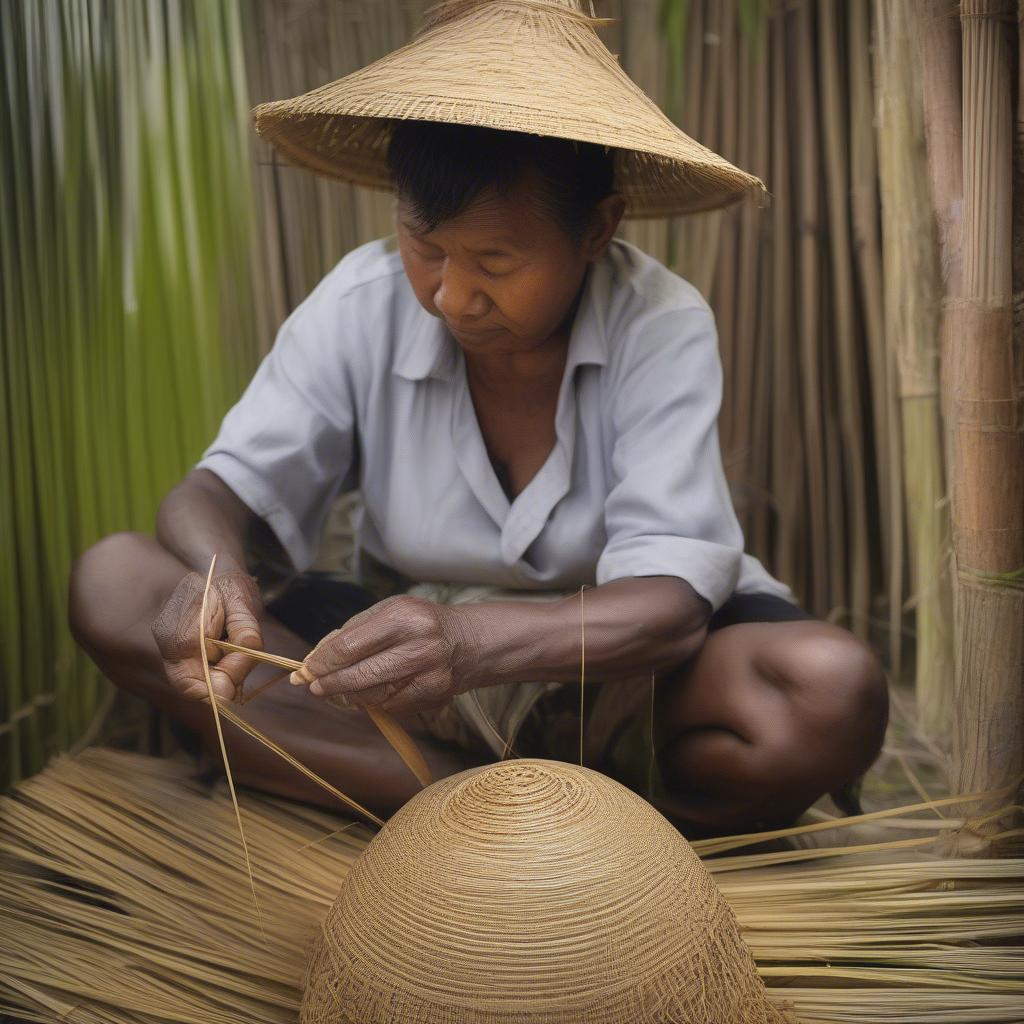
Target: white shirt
365,390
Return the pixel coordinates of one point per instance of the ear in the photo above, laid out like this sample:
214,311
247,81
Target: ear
607,216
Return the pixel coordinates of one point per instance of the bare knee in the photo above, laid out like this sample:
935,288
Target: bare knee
807,715
839,695
107,582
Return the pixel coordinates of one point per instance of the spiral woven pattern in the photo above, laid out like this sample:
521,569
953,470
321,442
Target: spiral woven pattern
530,891
516,65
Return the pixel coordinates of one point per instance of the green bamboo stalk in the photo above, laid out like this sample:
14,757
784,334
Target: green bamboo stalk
124,219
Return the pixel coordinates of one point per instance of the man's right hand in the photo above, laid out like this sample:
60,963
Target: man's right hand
233,611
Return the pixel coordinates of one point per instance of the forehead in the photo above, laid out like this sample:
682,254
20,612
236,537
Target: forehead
514,217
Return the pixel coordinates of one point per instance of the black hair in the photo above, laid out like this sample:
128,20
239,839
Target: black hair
440,168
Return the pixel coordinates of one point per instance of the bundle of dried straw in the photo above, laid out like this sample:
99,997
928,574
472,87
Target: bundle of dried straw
125,900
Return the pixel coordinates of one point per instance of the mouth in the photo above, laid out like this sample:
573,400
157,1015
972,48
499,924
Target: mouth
472,334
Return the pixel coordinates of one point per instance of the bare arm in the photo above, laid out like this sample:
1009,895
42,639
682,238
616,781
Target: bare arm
629,625
201,517
407,653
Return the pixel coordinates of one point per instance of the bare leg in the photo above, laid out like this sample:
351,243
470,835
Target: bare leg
118,587
766,718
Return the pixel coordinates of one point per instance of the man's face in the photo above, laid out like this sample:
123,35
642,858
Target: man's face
502,275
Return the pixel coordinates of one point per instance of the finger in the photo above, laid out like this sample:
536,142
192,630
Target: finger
354,642
242,626
406,698
414,692
234,667
388,668
187,679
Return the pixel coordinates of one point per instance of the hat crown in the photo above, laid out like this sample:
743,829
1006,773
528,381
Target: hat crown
450,10
535,67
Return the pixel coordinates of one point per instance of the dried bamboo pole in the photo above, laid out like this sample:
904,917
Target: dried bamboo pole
821,544
698,237
758,248
1018,211
939,49
725,291
643,59
748,449
788,460
845,341
881,369
866,244
986,419
912,290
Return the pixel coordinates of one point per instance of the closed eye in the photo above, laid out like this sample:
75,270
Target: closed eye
501,270
432,254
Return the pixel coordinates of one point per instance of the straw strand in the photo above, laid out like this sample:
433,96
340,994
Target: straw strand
220,737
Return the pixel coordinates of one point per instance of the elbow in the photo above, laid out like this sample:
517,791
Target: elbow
681,628
690,642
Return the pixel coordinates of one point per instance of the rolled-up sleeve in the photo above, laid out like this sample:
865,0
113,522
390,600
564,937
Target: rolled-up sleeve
288,447
668,511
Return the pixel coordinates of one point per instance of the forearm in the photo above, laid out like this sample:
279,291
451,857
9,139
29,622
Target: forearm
629,627
201,517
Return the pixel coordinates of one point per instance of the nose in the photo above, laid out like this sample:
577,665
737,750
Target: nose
457,298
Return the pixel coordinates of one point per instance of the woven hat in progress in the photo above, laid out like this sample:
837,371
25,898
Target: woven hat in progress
531,891
534,66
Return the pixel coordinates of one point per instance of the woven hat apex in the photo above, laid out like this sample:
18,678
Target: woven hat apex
532,66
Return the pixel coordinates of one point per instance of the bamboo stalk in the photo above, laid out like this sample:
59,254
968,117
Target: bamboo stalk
986,421
125,216
788,458
938,32
758,227
912,299
809,321
850,386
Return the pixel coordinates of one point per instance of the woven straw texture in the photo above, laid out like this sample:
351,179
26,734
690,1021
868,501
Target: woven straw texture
533,66
531,891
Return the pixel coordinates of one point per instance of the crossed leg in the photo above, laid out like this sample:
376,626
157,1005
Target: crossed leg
761,722
117,589
765,719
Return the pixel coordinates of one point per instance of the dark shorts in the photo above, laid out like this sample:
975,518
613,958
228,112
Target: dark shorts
314,604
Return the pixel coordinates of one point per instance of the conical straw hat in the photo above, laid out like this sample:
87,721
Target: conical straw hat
519,65
531,892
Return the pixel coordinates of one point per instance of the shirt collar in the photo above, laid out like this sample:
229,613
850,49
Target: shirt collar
588,341
430,351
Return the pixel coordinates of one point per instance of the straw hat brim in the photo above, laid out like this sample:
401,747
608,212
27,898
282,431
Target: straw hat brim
515,65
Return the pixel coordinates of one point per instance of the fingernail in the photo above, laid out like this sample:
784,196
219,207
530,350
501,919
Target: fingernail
316,689
294,679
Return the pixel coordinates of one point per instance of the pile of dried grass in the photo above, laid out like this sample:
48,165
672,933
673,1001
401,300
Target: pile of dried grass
125,899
